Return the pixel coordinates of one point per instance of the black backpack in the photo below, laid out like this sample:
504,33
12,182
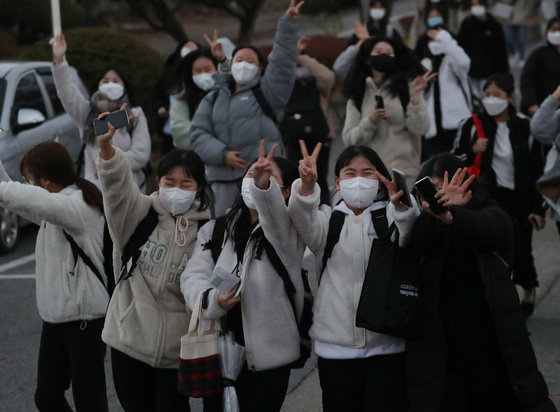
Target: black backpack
304,324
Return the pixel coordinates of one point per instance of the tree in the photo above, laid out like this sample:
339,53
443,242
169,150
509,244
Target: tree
160,15
246,11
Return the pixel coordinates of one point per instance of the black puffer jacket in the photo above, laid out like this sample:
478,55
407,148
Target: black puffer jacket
540,76
476,247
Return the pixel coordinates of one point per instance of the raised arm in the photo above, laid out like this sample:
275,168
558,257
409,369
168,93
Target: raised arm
278,80
545,124
74,103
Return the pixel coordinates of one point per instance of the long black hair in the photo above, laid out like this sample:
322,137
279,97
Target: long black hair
127,85
407,66
193,94
371,155
238,219
194,167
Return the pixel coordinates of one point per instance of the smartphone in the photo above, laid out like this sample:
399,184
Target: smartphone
399,179
428,191
118,119
379,101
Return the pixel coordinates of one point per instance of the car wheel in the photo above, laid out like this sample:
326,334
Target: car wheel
9,230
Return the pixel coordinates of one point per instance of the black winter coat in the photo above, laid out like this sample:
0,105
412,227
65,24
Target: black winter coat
484,232
540,76
528,161
485,43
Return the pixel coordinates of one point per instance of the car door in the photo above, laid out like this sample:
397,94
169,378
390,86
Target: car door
27,95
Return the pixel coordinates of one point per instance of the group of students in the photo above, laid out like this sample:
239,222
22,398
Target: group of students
121,267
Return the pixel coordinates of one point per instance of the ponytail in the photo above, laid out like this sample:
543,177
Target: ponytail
92,195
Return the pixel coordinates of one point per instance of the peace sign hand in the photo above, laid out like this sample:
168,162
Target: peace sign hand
308,168
455,193
420,83
394,194
264,167
293,10
216,47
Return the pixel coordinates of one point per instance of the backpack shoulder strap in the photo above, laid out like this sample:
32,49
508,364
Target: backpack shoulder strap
78,251
281,270
335,226
217,240
108,258
140,235
265,107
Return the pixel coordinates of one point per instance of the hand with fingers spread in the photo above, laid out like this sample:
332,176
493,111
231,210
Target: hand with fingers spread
419,85
394,194
455,192
59,48
216,47
234,160
293,10
361,31
227,300
264,167
308,168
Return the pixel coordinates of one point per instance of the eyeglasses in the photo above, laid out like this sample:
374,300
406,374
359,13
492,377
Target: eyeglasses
27,181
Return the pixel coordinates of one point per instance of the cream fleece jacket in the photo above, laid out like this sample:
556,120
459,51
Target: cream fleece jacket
269,327
147,314
66,289
136,146
339,292
396,139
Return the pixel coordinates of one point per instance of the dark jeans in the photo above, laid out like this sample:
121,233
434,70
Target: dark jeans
262,391
71,352
376,383
441,143
478,388
524,272
143,388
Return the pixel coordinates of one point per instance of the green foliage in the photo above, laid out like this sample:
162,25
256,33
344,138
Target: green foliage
91,51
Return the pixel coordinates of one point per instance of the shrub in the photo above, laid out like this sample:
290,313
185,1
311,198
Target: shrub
92,50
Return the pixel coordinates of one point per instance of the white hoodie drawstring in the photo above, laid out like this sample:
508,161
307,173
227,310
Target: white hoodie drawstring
181,226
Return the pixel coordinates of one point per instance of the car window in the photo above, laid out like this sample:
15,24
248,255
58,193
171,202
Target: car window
28,96
48,81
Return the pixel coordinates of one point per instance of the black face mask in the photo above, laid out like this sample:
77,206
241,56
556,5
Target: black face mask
382,63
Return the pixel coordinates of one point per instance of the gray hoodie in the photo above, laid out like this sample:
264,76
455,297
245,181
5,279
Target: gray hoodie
235,121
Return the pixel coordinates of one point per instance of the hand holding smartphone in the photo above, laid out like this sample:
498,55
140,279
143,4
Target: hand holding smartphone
399,179
428,192
118,119
379,100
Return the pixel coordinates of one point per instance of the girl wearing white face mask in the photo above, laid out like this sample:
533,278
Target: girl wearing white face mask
483,39
510,164
448,99
110,93
261,317
147,314
359,370
242,110
198,71
541,72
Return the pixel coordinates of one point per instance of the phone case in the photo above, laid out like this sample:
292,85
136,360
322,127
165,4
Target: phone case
428,191
399,178
118,119
100,126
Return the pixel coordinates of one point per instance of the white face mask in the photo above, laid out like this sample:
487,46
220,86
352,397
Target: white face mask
176,201
435,48
359,192
478,11
377,14
494,105
246,193
112,90
185,50
244,72
553,37
204,81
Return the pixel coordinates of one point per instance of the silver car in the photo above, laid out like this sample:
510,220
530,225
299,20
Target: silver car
30,113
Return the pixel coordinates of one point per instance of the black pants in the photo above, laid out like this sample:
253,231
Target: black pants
262,391
478,388
441,143
71,352
376,384
524,272
143,388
